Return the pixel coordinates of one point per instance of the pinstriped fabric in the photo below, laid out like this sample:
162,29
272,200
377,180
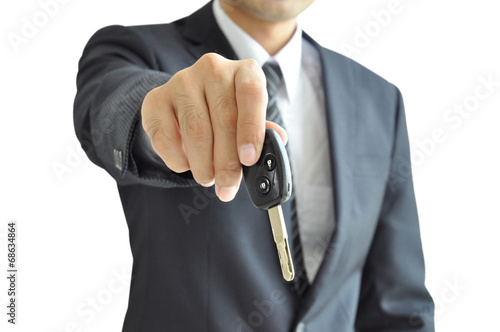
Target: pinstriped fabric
301,283
274,78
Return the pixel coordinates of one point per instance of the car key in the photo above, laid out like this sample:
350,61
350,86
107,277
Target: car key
269,184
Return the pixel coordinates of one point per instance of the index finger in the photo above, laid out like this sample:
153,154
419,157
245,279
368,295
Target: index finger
251,100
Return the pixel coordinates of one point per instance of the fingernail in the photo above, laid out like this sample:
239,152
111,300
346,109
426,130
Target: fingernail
208,184
226,194
247,154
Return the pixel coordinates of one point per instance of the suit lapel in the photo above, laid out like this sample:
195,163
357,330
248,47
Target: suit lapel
340,113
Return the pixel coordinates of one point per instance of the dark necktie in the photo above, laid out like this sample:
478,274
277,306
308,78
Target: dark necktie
274,78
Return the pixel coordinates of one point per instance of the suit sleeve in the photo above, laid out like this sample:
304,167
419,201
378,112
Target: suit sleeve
116,71
393,294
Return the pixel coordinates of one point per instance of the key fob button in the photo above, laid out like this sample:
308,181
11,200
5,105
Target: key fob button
270,162
263,185
269,180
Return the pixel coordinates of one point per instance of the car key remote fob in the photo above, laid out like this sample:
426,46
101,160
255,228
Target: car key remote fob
269,181
269,184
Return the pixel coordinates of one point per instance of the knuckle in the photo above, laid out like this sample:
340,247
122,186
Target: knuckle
192,123
151,126
253,131
252,65
232,166
166,147
215,68
257,72
227,116
160,145
211,60
195,128
181,80
228,172
150,102
252,86
150,96
154,93
163,144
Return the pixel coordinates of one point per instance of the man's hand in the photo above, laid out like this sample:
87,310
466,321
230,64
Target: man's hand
210,118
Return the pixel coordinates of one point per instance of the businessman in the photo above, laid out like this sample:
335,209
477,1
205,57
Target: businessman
173,111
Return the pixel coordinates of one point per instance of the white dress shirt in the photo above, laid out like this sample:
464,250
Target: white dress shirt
304,116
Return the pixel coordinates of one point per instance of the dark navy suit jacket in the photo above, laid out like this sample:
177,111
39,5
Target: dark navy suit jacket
203,265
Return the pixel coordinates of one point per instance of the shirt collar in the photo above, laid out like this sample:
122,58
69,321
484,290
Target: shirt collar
289,57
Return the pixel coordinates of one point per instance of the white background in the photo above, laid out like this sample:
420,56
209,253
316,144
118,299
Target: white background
73,239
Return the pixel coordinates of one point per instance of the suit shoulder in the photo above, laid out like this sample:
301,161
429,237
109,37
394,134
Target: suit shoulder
364,78
159,30
145,41
144,32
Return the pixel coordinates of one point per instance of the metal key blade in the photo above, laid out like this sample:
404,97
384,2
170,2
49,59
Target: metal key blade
281,238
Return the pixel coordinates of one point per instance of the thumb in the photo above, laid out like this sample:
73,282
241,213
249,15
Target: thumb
279,129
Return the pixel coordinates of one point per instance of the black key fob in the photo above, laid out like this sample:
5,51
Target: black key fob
269,181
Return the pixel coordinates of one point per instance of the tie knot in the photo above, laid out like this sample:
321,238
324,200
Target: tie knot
273,77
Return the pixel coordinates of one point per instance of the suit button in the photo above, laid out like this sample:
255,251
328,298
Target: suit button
301,327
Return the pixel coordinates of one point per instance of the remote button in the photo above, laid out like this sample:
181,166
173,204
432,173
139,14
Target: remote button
263,185
270,162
